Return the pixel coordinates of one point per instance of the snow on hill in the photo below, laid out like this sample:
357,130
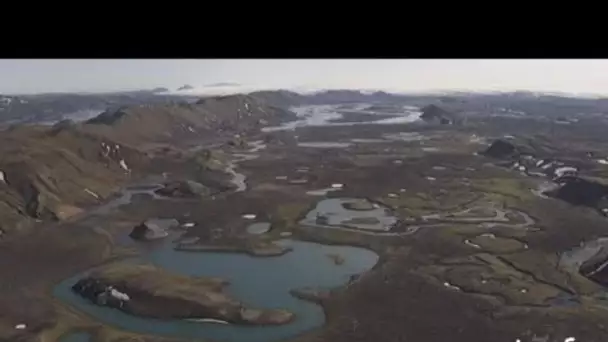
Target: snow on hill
226,88
211,90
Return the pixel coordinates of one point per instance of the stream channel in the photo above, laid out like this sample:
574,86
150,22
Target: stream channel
260,282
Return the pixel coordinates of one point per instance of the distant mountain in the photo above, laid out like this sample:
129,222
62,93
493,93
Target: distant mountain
282,98
224,84
292,98
55,107
50,108
223,88
177,121
185,87
160,90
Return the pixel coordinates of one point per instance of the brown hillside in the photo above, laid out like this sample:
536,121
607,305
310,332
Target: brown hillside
179,122
52,173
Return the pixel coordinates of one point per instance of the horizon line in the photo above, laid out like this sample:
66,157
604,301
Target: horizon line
198,91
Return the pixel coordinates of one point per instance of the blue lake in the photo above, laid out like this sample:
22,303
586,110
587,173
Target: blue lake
262,282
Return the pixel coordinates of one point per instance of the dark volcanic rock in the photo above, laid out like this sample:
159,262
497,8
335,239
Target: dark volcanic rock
108,117
187,188
433,113
237,142
594,268
101,293
500,149
152,229
146,291
580,191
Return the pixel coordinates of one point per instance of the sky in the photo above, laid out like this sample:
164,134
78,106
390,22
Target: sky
406,75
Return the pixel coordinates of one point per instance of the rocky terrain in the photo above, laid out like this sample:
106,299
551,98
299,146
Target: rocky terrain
150,292
500,219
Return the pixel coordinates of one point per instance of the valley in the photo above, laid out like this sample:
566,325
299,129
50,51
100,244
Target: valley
338,216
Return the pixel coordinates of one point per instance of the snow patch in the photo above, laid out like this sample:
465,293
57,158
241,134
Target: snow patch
20,326
208,320
249,216
215,90
548,165
2,177
91,193
469,243
337,186
124,165
320,192
119,295
565,170
450,286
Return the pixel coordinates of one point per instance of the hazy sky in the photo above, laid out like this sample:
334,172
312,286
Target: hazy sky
576,76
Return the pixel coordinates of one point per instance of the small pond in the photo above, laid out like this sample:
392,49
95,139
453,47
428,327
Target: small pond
258,228
258,282
332,212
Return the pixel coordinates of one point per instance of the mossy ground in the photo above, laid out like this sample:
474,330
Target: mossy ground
404,297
